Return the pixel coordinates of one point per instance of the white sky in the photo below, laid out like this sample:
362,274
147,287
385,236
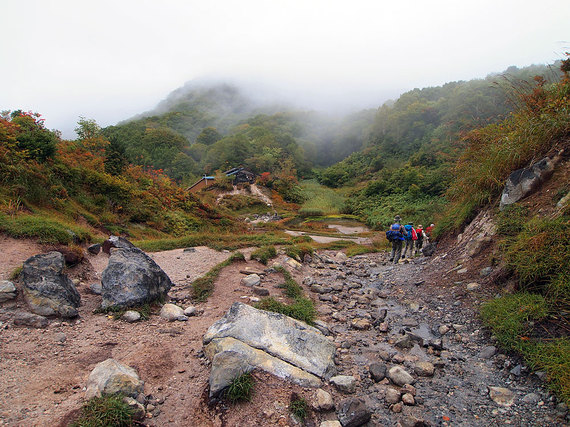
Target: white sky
110,59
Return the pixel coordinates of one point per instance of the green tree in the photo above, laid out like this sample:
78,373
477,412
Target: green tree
208,136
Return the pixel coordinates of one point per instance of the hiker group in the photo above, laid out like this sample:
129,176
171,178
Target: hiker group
408,237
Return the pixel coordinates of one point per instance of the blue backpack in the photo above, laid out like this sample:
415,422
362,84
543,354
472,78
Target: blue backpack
409,231
394,233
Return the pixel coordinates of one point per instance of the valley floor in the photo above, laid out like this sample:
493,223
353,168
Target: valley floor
44,371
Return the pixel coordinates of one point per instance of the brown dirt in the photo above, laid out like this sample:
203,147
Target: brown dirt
43,379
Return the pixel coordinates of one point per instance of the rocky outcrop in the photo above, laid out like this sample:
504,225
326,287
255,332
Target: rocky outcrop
112,377
523,182
132,278
283,337
116,242
47,290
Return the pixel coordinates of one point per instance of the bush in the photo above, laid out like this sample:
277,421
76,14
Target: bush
298,406
106,411
298,252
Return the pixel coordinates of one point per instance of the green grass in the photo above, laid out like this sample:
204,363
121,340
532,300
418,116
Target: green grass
511,318
106,411
46,230
264,254
298,252
215,240
241,388
203,286
299,407
302,309
320,199
15,275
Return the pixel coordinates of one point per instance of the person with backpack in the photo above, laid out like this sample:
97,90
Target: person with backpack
410,237
396,235
419,243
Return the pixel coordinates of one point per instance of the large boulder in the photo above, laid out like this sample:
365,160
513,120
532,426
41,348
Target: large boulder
231,358
523,182
116,242
47,290
112,377
132,278
283,337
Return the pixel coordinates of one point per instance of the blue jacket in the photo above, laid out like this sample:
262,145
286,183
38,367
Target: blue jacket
408,229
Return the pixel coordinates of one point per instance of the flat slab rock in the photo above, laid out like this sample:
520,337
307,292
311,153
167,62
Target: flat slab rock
288,339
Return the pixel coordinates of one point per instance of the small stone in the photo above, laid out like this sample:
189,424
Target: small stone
190,311
344,383
323,401
190,250
150,407
251,280
462,271
383,327
262,292
443,329
96,288
94,249
353,412
531,398
361,324
408,388
7,290
400,376
131,316
172,312
377,371
138,410
473,286
408,399
516,370
424,369
502,396
488,352
397,408
60,337
392,396
486,271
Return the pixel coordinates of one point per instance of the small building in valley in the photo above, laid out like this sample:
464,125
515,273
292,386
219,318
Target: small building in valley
204,182
241,176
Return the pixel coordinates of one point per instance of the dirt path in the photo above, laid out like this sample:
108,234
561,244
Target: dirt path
44,371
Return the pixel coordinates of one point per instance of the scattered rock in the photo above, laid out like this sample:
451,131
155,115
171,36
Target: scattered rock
488,352
408,399
131,279
112,377
296,265
473,286
190,311
486,271
138,409
400,376
251,280
116,242
361,324
353,412
94,249
424,369
531,398
47,290
344,383
377,371
23,318
323,400
60,337
392,396
172,312
397,408
96,288
443,329
131,316
262,292
7,290
502,396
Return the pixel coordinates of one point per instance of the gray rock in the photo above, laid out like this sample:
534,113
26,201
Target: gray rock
283,337
400,376
422,335
231,357
408,399
7,290
132,278
424,369
516,370
116,242
392,396
488,352
262,292
189,250
60,337
502,396
523,182
251,280
111,377
486,271
137,409
352,412
23,318
344,383
531,398
323,401
190,311
47,290
131,316
172,312
96,288
473,286
323,327
377,371
94,249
